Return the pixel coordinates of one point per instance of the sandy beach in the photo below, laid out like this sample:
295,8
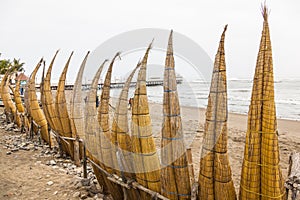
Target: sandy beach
193,122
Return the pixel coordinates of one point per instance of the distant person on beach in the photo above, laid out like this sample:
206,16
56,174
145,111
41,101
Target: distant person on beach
97,101
130,103
22,90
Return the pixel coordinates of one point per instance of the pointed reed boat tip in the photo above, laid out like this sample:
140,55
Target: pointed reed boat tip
171,33
265,11
150,45
225,28
69,59
116,55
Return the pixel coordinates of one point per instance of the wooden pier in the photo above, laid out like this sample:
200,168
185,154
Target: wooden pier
113,85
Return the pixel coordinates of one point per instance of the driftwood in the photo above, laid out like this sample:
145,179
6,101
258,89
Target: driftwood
293,181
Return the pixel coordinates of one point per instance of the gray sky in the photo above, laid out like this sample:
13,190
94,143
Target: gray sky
31,29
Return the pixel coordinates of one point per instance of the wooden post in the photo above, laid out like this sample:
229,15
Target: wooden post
31,129
84,165
190,164
76,152
293,181
49,136
40,135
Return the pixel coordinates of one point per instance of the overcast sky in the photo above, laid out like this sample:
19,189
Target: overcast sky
31,29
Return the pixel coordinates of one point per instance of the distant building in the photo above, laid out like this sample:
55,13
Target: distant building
23,80
22,77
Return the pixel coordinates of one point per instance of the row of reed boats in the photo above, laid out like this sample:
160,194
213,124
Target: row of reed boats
127,149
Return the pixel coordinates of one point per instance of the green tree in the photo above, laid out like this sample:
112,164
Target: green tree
16,65
4,66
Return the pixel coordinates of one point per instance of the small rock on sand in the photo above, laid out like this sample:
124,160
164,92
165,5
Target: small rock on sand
50,183
76,194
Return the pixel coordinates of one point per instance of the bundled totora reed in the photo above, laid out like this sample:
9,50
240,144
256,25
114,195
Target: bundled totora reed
108,153
61,107
9,105
77,112
121,138
175,180
215,180
261,174
106,148
120,130
92,129
17,97
50,111
146,162
35,111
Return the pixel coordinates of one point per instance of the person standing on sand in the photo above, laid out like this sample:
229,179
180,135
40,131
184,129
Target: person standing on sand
130,103
97,101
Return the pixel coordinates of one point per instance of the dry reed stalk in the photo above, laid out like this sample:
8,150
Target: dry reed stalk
17,116
261,174
120,129
5,91
19,105
43,101
215,178
26,100
17,97
109,159
35,111
61,107
49,105
107,149
6,97
92,129
121,138
175,179
146,162
77,112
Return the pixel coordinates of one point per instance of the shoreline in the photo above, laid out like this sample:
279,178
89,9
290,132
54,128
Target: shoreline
283,123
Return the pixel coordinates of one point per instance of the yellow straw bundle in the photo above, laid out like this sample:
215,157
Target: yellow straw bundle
107,149
35,111
19,104
261,174
16,114
17,97
109,159
61,107
44,99
6,97
175,179
146,162
120,129
92,129
49,106
215,181
121,138
77,111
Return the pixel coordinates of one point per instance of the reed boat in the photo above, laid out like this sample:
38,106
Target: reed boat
261,176
146,161
175,179
77,113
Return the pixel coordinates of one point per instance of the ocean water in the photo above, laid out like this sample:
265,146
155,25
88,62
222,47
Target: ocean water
194,94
